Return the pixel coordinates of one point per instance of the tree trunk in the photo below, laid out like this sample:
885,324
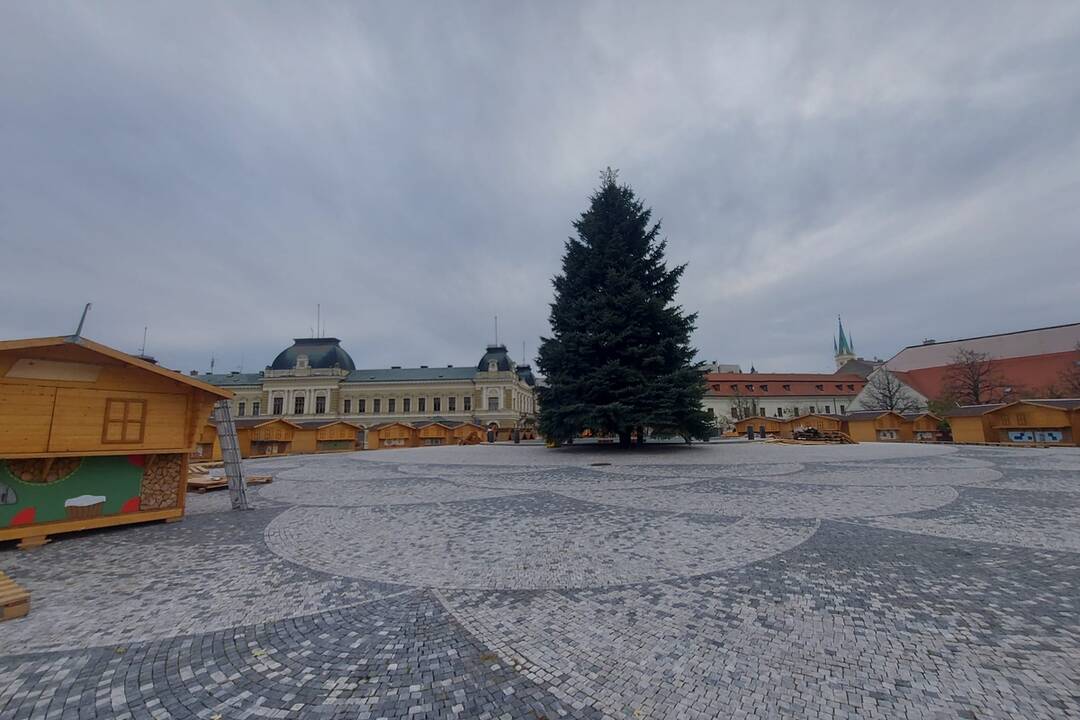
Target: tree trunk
624,439
640,436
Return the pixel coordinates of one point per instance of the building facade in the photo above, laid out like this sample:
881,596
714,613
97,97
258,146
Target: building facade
1028,362
316,379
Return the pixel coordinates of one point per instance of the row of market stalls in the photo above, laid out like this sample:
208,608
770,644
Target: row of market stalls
258,437
864,426
1024,422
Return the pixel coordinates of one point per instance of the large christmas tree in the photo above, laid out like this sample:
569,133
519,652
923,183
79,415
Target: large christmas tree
619,359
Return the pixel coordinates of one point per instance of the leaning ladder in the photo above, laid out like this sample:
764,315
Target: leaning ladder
230,455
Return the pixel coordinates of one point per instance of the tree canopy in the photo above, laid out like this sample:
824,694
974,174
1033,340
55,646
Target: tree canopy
619,358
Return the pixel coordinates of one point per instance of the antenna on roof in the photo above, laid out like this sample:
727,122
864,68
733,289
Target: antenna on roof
318,319
142,348
211,364
78,330
496,329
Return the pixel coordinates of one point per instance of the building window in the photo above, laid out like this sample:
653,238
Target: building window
764,388
787,387
493,366
779,412
320,404
421,405
348,407
298,405
361,405
406,405
795,411
466,404
255,408
813,409
842,409
451,404
376,406
241,409
436,404
279,405
391,405
493,403
828,409
125,421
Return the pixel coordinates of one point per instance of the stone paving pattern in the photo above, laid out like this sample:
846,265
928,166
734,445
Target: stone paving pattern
734,580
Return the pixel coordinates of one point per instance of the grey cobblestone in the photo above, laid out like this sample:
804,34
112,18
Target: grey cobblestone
735,580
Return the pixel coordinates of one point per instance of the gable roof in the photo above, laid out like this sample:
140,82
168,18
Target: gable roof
972,410
1055,403
115,355
319,424
870,414
243,423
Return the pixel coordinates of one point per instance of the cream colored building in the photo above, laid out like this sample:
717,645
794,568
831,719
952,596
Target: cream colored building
315,378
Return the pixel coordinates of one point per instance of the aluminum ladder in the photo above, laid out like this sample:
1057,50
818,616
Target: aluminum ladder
230,455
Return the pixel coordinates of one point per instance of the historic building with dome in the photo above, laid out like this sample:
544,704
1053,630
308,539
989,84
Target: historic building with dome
316,379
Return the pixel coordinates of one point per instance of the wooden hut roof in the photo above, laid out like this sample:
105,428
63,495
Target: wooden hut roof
114,354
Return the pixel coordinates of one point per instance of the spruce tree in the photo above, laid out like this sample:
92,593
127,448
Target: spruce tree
619,358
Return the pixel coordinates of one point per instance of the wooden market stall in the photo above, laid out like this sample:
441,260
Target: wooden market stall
770,426
315,436
258,437
391,435
814,421
468,433
970,424
877,426
1049,422
924,427
91,436
207,444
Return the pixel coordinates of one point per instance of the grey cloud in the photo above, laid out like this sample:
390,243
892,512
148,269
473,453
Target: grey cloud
215,170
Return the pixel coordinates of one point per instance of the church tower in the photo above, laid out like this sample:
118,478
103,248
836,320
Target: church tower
843,346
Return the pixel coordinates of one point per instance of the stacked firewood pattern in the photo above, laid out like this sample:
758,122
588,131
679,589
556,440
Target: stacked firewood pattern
161,482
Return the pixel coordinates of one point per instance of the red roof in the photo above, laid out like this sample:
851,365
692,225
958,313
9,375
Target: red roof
783,385
1030,375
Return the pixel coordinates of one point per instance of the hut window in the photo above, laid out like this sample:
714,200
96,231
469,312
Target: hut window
421,404
255,408
279,406
451,404
241,409
406,405
348,407
298,405
466,404
376,405
436,404
320,404
361,405
125,421
391,405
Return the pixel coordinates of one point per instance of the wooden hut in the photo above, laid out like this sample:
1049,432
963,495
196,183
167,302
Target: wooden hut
877,426
970,424
773,427
391,435
258,437
1049,422
207,444
91,436
813,421
923,427
316,436
469,433
435,432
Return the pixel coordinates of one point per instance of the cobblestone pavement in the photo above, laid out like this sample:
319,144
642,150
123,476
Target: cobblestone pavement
734,580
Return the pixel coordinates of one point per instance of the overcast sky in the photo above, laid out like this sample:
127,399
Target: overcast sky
215,170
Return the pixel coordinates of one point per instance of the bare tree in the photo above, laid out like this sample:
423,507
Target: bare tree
1069,380
885,391
973,378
